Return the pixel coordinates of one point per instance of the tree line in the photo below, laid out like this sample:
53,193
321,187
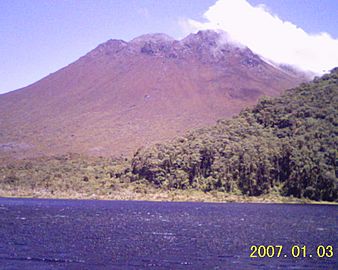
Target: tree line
286,144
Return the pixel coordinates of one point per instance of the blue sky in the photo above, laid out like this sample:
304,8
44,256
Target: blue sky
39,37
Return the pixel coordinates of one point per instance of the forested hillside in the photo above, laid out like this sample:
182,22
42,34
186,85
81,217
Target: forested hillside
284,146
287,144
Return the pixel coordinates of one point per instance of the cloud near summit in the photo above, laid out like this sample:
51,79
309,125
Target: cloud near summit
268,35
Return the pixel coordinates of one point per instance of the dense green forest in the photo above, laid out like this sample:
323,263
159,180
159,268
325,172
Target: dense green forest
285,146
288,144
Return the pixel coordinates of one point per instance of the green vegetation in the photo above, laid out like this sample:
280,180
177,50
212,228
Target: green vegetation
286,145
282,147
71,173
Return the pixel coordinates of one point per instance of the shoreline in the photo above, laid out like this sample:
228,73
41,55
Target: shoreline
161,196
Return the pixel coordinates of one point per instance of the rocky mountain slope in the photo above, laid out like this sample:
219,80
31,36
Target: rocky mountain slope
123,95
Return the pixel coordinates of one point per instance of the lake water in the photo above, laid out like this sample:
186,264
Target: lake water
70,234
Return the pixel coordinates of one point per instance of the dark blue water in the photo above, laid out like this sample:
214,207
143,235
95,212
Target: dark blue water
68,234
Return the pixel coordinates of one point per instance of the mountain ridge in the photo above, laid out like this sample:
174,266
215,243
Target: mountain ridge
123,95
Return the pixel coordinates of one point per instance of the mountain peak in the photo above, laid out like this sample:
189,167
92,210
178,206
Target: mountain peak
213,37
109,47
155,37
205,43
207,34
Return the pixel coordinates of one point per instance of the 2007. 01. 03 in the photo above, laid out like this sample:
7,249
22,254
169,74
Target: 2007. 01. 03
297,251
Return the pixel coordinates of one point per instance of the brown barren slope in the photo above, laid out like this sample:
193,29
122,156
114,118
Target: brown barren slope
123,95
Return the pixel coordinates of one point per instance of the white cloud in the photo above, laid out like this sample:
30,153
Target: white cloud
268,35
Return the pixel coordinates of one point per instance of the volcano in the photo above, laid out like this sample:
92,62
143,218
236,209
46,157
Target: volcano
124,95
